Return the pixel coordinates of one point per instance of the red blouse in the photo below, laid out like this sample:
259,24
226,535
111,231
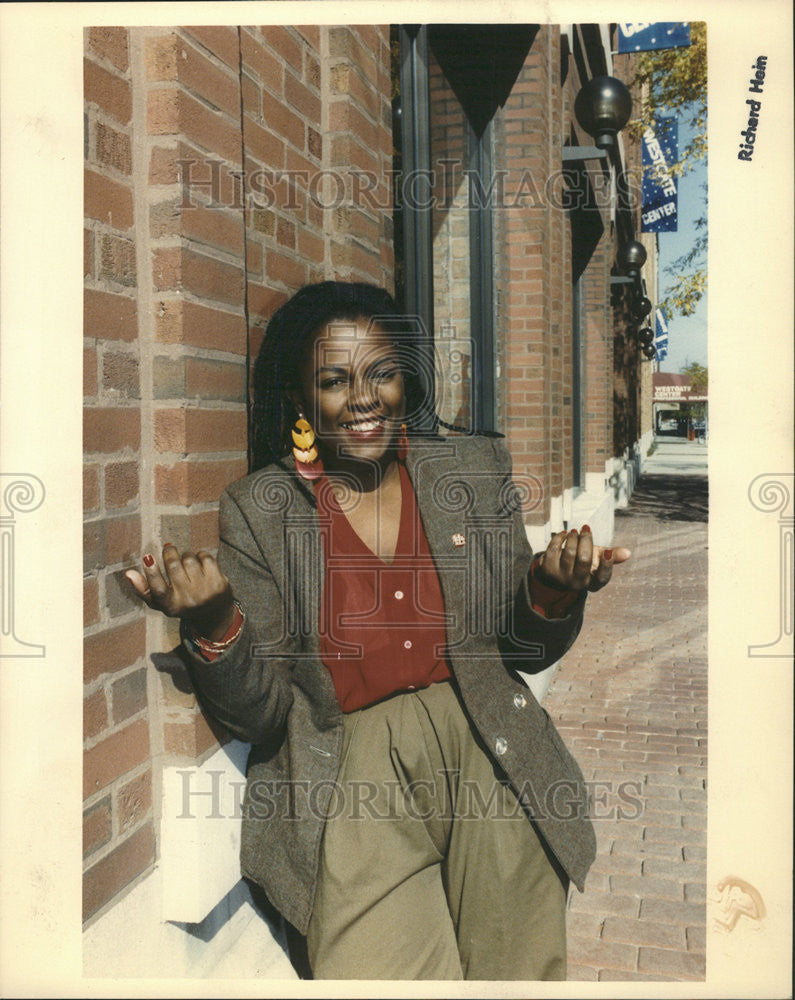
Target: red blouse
382,625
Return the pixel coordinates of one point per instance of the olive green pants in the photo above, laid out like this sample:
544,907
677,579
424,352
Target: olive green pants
429,868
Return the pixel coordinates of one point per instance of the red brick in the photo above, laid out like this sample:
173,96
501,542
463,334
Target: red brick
282,120
264,64
88,253
121,483
285,270
189,431
111,428
347,82
174,112
189,739
117,261
169,57
116,870
107,316
312,247
263,302
180,269
267,149
90,383
113,148
113,649
300,97
311,33
681,964
134,801
90,488
120,375
197,325
222,41
212,279
196,482
108,91
213,226
95,714
93,546
282,41
122,539
97,826
344,43
182,163
250,96
128,695
90,601
114,756
107,201
204,531
111,44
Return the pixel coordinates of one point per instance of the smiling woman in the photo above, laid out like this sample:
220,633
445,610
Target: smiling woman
364,625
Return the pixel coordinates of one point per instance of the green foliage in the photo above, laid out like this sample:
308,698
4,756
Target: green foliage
674,81
699,382
684,294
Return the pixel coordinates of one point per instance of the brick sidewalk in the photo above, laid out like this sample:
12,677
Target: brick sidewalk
630,700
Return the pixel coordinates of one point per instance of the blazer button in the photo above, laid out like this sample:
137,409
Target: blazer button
500,746
519,700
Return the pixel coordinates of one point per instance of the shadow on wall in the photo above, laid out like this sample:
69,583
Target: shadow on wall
670,498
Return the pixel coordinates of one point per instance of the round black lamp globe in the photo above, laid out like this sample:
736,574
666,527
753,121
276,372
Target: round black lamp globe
603,107
645,335
641,307
632,257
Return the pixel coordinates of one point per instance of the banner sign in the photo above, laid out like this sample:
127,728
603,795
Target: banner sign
660,335
643,36
659,151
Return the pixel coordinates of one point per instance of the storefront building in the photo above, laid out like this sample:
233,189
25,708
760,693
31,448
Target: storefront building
225,168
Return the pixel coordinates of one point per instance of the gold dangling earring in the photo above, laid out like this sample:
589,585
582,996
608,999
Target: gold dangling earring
403,444
307,461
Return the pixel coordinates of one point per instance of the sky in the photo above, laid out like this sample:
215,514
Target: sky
687,335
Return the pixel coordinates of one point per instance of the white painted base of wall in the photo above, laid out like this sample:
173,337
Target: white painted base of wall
595,506
233,942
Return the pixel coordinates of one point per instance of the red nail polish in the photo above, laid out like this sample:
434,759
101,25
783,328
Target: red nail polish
608,554
586,527
149,560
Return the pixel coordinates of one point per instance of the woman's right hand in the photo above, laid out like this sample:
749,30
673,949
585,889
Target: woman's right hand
194,588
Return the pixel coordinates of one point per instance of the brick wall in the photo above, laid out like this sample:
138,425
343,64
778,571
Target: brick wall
534,272
118,829
218,180
451,249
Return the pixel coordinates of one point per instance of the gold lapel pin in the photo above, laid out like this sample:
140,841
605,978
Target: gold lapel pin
459,540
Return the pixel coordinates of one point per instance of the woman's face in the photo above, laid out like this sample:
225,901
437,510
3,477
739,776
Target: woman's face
352,390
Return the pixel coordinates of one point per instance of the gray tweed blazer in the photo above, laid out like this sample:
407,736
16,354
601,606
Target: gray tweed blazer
271,689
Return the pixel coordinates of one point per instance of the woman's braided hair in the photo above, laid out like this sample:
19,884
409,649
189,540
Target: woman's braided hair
289,335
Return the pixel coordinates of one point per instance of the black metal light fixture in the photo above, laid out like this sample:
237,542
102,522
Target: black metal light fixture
603,107
631,258
649,351
641,307
645,335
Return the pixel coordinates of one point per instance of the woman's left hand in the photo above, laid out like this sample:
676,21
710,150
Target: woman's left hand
572,561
